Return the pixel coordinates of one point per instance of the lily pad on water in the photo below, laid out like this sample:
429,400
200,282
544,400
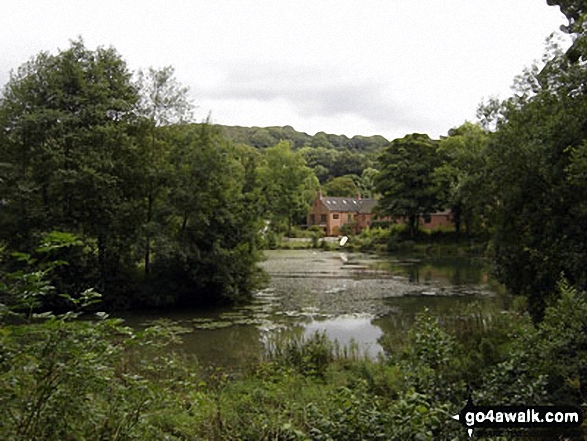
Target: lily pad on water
232,316
202,320
248,321
214,325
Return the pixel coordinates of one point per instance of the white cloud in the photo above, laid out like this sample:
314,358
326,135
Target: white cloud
340,66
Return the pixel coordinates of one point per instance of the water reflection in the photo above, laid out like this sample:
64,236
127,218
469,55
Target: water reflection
454,271
357,298
348,330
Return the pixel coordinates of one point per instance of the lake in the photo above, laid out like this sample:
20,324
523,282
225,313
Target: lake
352,297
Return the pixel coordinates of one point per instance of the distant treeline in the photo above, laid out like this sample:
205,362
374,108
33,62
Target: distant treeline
329,156
263,137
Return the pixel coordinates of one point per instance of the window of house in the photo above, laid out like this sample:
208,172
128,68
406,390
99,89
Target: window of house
350,217
322,218
312,219
335,216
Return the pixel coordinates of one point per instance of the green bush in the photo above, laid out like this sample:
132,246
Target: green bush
316,234
546,364
66,378
432,361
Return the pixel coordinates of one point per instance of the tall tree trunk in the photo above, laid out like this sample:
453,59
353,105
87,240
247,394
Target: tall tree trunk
184,223
150,198
456,211
148,234
102,259
413,222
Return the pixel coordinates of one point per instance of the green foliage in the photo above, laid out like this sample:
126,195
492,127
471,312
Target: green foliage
536,163
317,233
352,414
209,251
406,181
367,183
342,186
71,379
287,184
563,346
431,361
66,142
460,179
371,239
88,151
24,289
414,416
576,14
263,137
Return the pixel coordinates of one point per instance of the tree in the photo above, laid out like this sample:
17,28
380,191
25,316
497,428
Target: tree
162,101
321,160
342,186
576,13
262,139
288,185
208,254
406,180
536,159
460,179
367,182
70,155
320,140
350,163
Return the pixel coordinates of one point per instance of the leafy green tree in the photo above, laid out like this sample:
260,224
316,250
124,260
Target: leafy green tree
69,152
262,139
163,101
536,159
461,178
208,253
406,179
576,13
320,140
342,186
367,182
350,163
321,160
368,143
287,184
87,151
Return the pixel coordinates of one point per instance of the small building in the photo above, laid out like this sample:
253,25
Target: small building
331,213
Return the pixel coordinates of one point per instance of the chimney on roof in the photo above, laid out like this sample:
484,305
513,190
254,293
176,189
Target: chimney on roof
319,194
358,196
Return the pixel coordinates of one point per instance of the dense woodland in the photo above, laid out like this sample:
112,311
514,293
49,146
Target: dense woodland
110,191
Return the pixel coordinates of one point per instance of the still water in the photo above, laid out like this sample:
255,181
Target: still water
351,297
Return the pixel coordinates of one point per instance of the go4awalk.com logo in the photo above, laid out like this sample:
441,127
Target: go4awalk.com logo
552,418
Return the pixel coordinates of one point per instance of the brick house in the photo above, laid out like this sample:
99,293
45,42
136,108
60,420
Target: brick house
331,213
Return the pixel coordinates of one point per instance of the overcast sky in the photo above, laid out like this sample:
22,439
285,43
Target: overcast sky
388,67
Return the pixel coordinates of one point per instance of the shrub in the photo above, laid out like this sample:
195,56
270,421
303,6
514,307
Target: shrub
431,360
316,234
65,378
